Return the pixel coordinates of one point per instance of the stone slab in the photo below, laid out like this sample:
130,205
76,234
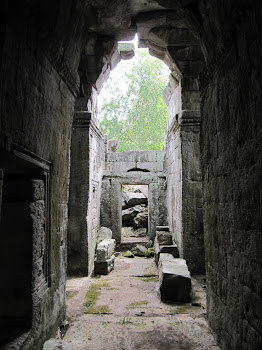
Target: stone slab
175,279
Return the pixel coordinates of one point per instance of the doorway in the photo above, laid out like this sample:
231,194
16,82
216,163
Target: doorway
135,215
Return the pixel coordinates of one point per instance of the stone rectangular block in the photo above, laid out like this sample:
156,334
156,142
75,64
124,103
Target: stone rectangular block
175,279
104,267
169,249
105,250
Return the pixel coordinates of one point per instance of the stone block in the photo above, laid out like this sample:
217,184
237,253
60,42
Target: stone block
104,267
175,280
105,250
163,237
131,213
132,198
169,249
104,233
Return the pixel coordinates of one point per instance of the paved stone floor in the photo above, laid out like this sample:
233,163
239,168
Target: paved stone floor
127,314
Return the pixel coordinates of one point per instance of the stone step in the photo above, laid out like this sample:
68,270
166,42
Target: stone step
128,244
175,279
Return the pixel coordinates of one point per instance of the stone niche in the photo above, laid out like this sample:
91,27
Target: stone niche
133,167
24,241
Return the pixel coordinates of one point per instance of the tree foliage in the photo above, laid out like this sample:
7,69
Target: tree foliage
135,113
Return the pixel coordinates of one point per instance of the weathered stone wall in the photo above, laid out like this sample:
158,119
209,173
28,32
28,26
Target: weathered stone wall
232,167
133,167
36,113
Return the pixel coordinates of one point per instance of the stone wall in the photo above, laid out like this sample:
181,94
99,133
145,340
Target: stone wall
133,167
36,113
232,167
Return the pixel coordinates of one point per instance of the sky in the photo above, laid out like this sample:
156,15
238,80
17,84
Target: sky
117,78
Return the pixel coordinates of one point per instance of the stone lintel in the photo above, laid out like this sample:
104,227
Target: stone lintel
126,179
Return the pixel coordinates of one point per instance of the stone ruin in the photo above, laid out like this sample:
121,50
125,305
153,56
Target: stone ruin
135,211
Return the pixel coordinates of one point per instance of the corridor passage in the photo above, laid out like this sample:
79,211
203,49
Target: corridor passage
123,311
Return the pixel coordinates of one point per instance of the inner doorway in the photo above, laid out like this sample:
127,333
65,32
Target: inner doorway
135,213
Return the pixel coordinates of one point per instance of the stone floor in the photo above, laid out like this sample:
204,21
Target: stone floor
127,313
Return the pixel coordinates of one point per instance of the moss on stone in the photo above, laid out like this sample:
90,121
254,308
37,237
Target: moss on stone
137,304
151,278
128,254
70,294
92,296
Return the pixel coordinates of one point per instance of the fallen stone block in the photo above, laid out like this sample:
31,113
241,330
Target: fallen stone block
140,250
175,279
128,254
141,220
163,237
104,267
131,213
105,250
132,198
170,249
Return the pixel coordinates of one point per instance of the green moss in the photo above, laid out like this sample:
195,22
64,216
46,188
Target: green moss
70,294
136,304
103,309
148,253
181,309
128,254
149,278
92,296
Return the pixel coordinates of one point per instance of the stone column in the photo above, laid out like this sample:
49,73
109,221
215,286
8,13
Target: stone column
77,245
192,211
184,188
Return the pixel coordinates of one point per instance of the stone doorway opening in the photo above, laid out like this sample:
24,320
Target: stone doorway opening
135,214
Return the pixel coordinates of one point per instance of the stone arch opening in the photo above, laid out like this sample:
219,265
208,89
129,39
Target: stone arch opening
41,47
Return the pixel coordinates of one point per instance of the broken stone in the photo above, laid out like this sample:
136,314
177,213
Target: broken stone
170,249
105,250
131,232
132,198
164,237
149,253
141,220
104,267
131,213
140,250
53,344
175,280
128,254
104,233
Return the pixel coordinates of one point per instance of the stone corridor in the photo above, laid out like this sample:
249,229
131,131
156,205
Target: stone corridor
128,313
60,181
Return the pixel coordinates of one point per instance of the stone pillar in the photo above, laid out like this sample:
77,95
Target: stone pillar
77,245
184,191
192,206
153,209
